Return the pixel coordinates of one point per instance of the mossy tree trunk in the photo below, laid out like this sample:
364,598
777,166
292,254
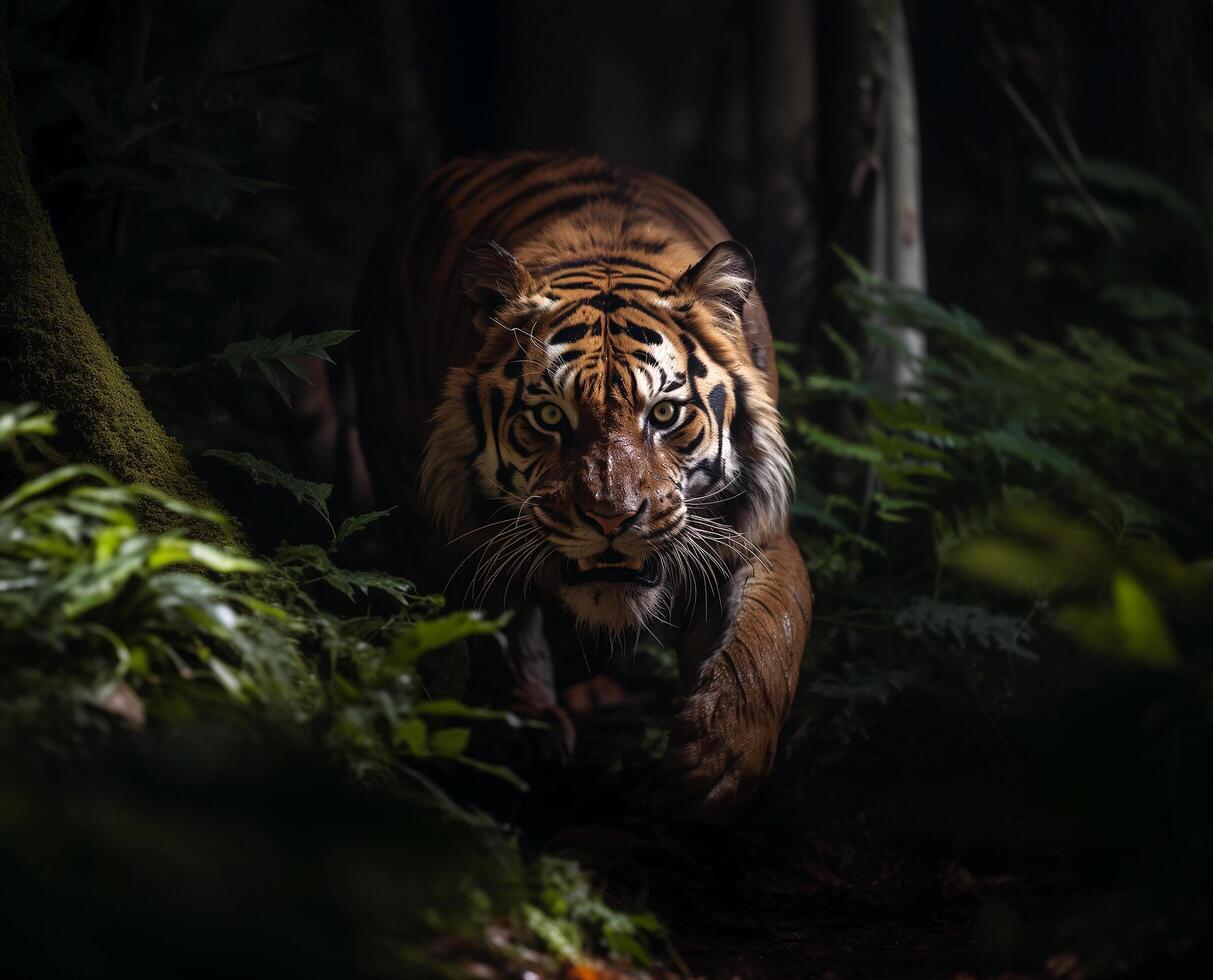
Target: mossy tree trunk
52,353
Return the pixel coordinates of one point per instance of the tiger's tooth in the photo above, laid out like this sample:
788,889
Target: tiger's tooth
588,564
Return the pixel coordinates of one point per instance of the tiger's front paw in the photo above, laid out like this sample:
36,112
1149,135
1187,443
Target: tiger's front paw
719,749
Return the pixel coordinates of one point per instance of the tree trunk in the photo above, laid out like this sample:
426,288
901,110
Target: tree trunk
50,350
896,247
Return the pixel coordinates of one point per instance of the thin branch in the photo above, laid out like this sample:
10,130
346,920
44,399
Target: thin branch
1067,171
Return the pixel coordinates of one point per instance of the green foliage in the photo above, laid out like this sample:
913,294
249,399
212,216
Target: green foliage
569,914
298,559
84,590
277,358
86,593
1047,494
25,420
315,495
1115,251
309,564
353,525
144,137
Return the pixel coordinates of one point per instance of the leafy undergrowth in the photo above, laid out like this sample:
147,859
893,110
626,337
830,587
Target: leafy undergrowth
237,756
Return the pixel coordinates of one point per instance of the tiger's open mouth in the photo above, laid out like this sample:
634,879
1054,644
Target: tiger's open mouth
611,566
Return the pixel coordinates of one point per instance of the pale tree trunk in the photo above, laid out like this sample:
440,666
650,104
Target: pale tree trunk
896,249
51,352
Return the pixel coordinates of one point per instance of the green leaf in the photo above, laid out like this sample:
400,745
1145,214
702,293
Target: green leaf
86,589
833,445
127,495
315,495
450,708
25,420
296,560
1035,452
228,678
352,525
170,550
278,354
449,742
1142,625
1009,565
52,480
561,937
411,733
434,634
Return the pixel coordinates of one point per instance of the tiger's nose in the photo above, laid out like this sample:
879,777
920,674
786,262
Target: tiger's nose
611,524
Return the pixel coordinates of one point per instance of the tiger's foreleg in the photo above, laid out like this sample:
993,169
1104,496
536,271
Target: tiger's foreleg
724,738
533,693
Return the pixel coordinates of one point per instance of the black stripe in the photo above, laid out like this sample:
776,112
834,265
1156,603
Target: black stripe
696,366
512,438
642,335
513,367
717,398
570,335
656,279
536,190
565,314
471,401
599,260
496,407
562,359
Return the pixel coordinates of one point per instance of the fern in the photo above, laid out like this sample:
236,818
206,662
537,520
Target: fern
966,626
314,495
276,358
90,597
353,525
1045,490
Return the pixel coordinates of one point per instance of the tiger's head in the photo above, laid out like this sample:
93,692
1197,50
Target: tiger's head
613,438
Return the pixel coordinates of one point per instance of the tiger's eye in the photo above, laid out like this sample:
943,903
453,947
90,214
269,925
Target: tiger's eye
664,413
550,415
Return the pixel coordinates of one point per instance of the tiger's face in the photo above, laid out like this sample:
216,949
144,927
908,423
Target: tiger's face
616,431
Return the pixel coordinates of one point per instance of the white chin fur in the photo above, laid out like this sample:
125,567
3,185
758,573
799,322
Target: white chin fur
611,607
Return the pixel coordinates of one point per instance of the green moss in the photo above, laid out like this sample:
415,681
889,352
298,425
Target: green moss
52,353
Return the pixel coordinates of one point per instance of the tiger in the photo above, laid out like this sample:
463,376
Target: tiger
565,378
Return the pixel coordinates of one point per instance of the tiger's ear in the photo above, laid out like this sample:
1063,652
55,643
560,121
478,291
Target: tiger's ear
493,279
722,279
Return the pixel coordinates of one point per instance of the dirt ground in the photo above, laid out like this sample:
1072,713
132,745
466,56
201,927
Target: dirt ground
848,867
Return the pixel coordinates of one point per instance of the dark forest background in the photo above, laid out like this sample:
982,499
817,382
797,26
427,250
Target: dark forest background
984,235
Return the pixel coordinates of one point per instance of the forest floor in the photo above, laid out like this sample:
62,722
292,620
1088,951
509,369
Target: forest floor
852,867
